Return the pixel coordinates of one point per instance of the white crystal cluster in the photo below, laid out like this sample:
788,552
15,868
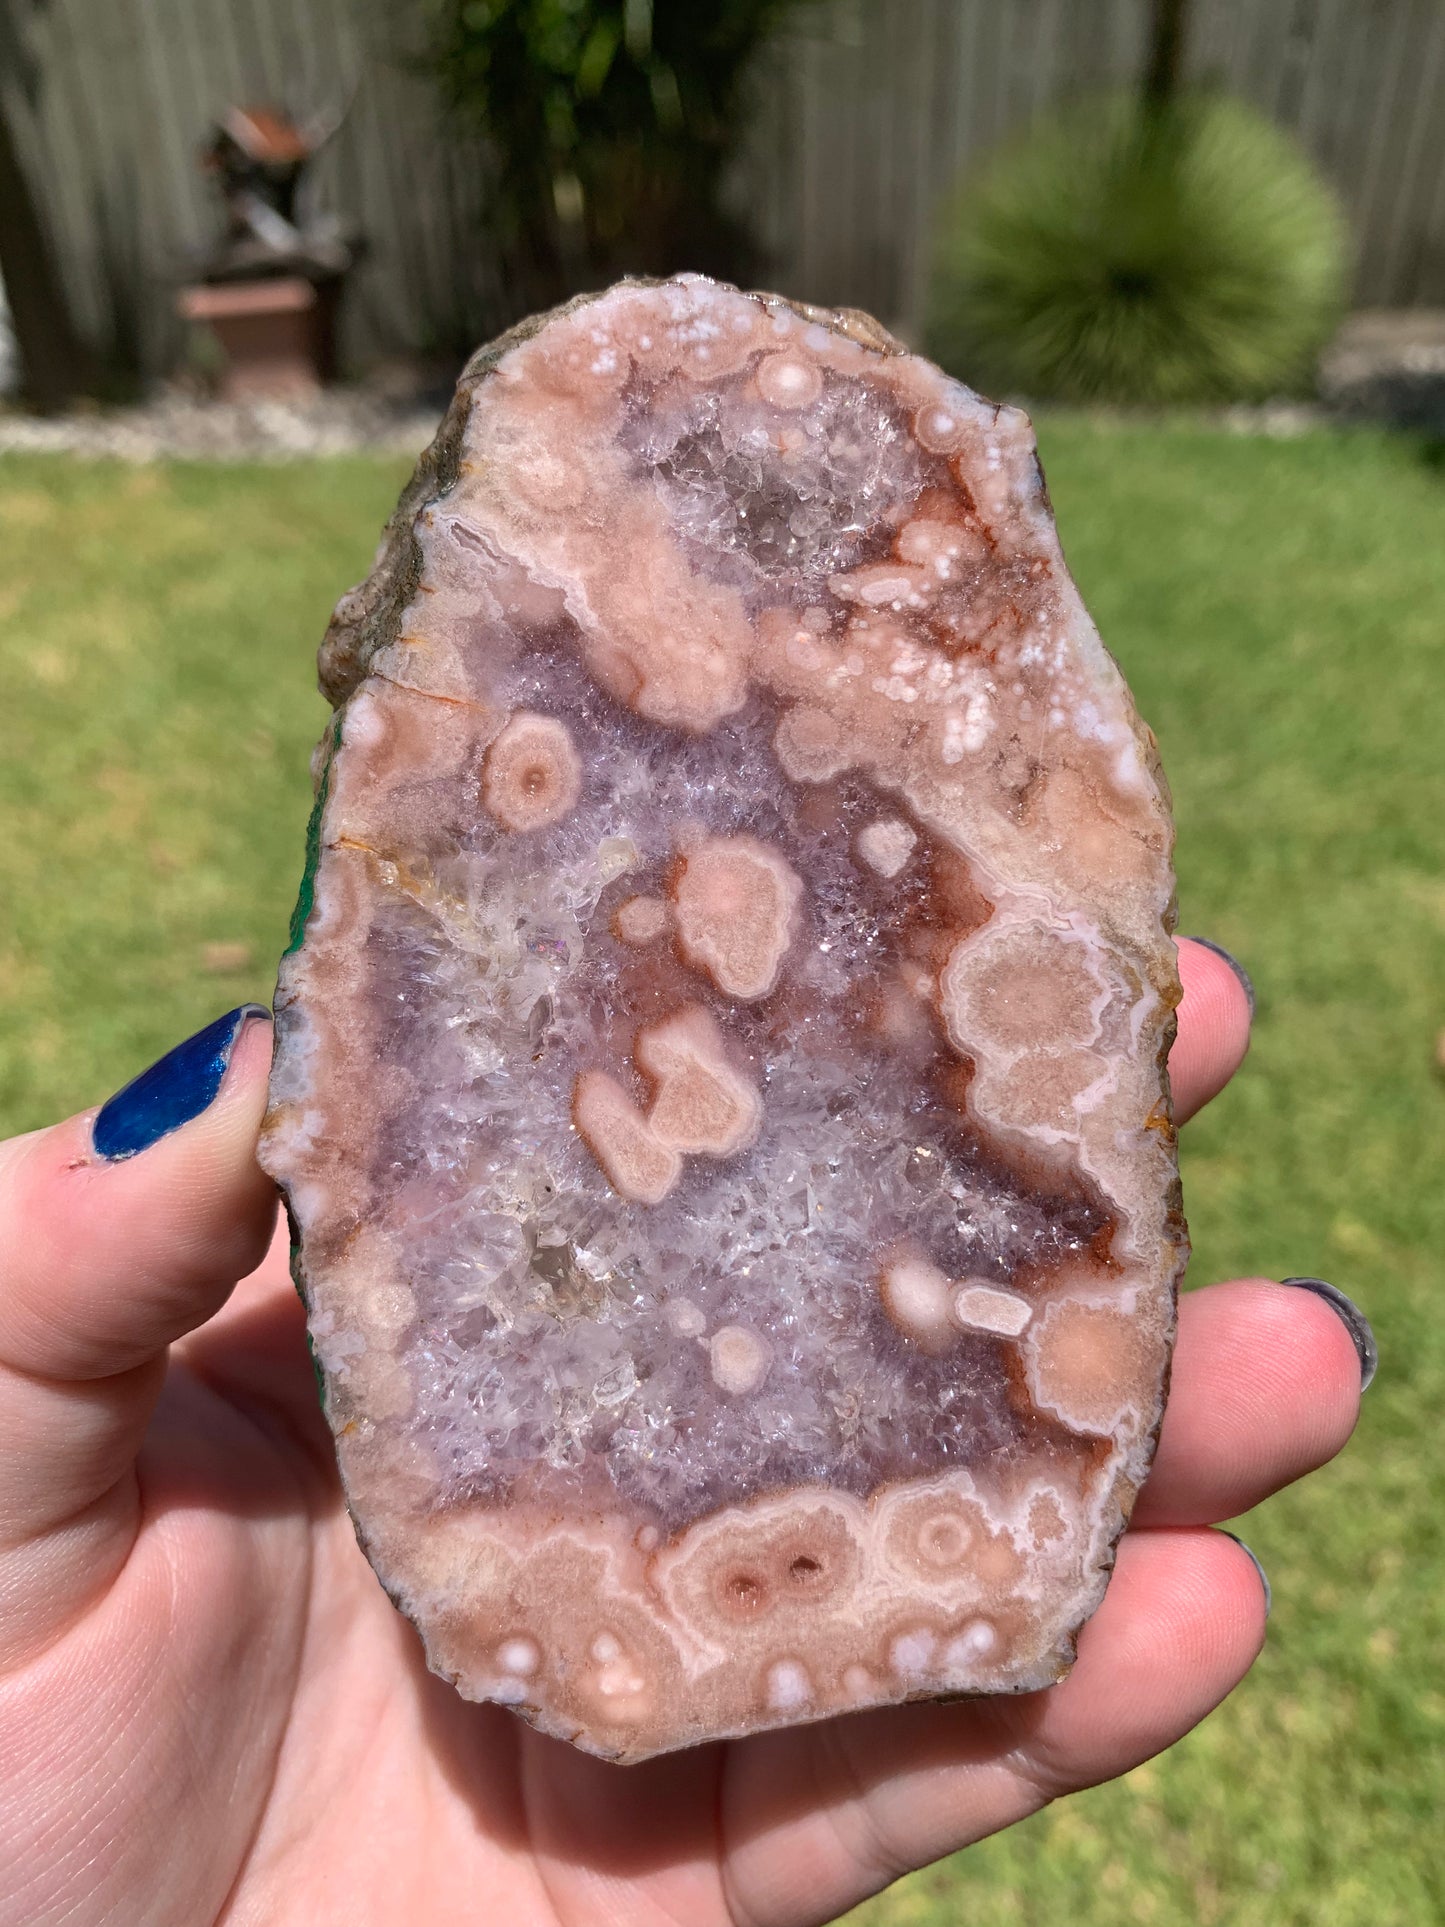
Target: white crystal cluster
744,515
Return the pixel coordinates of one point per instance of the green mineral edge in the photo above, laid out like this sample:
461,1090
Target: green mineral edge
306,895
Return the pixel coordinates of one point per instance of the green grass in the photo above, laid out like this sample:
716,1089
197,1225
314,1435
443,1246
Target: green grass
158,630
1280,610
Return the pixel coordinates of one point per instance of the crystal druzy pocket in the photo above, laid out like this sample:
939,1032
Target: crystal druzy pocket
720,1075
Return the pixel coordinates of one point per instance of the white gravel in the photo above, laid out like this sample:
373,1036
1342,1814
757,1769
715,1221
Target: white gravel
340,421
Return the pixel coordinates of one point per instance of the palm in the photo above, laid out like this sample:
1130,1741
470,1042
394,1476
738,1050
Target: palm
209,1710
325,1769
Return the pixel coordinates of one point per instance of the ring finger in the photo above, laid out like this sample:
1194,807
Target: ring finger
1266,1386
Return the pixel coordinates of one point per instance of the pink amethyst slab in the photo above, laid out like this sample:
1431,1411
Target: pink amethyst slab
720,1076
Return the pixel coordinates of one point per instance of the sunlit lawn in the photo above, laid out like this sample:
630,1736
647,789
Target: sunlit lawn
1280,610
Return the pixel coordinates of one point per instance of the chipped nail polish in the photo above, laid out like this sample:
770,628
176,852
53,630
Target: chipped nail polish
1235,965
176,1088
1351,1317
1263,1575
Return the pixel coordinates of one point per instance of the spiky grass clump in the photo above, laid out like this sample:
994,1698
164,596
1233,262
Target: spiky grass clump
1184,254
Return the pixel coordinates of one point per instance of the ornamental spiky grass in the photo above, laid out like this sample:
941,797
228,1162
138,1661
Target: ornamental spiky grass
1186,254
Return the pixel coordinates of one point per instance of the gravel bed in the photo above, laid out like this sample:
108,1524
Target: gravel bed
340,421
1389,366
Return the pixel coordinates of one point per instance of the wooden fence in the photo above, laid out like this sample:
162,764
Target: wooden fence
864,112
862,129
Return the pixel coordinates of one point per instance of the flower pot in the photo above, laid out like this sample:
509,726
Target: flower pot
276,337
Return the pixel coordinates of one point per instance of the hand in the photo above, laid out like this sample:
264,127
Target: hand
209,1711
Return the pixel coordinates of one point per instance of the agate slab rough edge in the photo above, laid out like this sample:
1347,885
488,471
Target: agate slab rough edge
720,1087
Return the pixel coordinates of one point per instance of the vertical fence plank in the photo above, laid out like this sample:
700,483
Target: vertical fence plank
1402,224
1386,195
1427,282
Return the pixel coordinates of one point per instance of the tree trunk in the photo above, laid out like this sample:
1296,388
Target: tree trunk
1164,68
55,363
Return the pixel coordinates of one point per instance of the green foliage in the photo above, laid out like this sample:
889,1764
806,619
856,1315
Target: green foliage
1184,253
612,122
1278,608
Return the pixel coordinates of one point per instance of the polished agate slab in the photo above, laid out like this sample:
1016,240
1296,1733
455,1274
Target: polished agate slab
720,1075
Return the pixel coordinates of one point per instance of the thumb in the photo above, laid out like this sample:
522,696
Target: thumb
119,1231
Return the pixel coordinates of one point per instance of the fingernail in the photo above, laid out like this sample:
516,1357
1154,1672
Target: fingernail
1235,965
176,1088
1263,1575
1353,1320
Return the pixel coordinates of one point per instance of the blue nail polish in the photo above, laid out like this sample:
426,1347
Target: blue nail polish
1263,1575
174,1090
1235,965
1351,1317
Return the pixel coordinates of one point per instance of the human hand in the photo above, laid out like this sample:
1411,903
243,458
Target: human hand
209,1710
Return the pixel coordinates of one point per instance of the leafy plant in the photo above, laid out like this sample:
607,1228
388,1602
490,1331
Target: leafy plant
611,122
1182,251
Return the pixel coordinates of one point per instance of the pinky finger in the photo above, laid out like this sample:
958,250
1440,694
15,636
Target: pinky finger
1180,1626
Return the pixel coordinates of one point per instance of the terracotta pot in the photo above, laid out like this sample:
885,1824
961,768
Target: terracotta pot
277,337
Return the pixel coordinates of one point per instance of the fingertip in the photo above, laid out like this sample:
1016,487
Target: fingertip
1360,1331
181,1085
241,1098
1215,1013
1204,949
108,1258
1194,1608
1265,1387
1190,1601
1181,1624
201,1175
1261,1577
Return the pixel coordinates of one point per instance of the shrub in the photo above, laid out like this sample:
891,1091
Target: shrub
1186,253
611,122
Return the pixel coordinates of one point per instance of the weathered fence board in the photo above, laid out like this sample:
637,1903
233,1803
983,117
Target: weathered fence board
866,112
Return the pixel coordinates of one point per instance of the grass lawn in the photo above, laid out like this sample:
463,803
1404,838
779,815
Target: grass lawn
1280,610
